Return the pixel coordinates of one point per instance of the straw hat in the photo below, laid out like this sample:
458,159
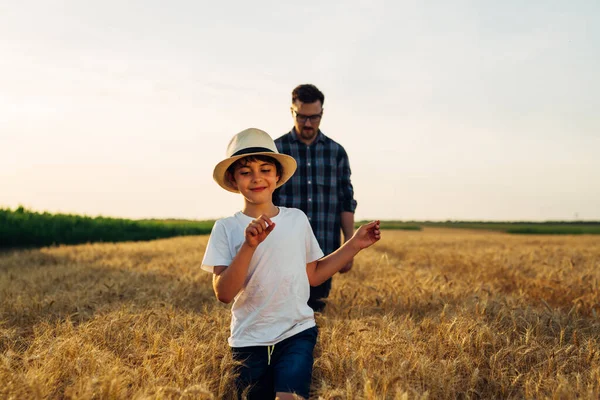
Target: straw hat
251,142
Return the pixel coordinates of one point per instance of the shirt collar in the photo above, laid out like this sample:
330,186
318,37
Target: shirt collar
320,136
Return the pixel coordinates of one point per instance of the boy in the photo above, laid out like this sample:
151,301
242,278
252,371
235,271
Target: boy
265,258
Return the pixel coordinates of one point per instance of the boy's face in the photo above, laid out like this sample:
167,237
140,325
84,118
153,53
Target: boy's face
256,180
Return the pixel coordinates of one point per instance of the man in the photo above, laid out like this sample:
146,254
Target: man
321,186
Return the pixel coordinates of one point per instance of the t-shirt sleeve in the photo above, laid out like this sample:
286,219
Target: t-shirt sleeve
217,250
313,250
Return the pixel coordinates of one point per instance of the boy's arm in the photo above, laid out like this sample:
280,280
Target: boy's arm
228,281
321,270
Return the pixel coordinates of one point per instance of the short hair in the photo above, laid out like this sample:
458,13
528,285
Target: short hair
242,162
307,93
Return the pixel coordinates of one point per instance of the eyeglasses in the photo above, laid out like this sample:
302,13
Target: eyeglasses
302,118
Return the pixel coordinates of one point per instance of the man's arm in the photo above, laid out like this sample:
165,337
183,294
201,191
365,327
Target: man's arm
347,222
348,204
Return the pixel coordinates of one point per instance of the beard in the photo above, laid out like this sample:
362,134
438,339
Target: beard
308,133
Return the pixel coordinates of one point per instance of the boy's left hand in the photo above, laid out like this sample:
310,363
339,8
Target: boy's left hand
367,234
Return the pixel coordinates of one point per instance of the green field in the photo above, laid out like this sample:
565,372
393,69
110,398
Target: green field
532,228
395,225
26,228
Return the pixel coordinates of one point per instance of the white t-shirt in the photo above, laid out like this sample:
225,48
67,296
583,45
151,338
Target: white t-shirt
272,304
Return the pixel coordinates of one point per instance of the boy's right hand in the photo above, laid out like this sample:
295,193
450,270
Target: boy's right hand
367,235
258,230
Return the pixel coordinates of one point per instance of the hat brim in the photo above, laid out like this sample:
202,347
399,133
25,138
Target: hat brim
288,165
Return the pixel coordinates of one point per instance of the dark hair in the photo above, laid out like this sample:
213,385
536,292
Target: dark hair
242,162
307,93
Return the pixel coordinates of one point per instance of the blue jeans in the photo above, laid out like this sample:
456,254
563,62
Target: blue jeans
284,367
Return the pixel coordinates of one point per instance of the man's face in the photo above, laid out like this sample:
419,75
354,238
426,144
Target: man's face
307,118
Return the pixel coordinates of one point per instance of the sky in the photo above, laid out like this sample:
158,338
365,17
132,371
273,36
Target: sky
460,110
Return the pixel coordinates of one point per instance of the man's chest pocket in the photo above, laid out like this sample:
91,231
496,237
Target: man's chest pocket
327,177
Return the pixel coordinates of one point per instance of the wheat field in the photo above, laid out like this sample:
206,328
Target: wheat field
436,314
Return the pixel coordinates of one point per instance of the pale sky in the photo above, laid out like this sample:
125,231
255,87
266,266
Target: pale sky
466,110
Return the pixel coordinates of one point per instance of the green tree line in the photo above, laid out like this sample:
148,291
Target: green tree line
26,228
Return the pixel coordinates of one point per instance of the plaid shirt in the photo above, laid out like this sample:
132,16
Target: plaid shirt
320,187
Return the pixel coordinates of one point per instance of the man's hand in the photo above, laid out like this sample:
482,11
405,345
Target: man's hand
347,267
258,230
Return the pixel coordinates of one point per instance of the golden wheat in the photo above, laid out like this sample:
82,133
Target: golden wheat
438,314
